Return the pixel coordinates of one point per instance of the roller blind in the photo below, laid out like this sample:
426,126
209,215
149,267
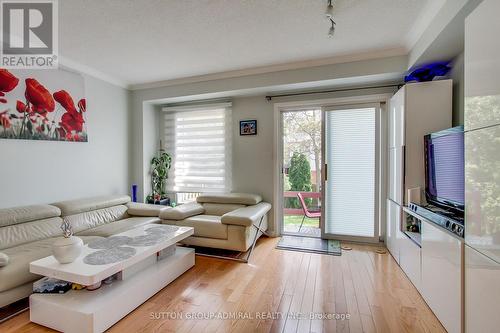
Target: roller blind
199,140
350,188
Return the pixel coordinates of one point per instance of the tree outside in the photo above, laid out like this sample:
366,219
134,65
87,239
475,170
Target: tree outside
302,163
302,134
299,176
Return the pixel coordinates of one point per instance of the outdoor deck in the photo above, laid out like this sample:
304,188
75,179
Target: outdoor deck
293,217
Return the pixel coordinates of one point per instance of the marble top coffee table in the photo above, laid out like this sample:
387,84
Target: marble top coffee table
146,260
82,270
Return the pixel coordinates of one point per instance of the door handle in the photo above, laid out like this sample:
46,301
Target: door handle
326,172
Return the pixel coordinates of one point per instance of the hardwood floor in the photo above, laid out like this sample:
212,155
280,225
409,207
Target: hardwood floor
368,286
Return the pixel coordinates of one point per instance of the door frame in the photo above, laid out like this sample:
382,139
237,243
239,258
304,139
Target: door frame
378,184
277,209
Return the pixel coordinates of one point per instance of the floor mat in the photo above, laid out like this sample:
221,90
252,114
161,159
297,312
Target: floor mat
310,244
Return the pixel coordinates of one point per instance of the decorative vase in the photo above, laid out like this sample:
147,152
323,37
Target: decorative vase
134,193
67,249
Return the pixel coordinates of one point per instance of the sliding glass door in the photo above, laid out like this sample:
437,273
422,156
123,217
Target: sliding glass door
351,165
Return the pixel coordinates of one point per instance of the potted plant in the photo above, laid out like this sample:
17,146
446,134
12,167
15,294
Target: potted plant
159,174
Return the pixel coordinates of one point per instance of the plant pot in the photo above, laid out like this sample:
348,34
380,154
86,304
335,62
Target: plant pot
163,202
66,250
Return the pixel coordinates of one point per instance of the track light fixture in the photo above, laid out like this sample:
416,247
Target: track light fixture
329,16
329,10
331,31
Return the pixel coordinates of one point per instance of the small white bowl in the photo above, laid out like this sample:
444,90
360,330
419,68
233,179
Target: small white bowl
67,250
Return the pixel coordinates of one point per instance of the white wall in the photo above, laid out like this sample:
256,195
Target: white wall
44,171
253,168
444,40
457,75
253,155
150,145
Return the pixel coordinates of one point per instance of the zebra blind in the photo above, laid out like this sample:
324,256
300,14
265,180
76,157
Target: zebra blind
199,140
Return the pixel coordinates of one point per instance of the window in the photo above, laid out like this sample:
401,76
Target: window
184,197
199,140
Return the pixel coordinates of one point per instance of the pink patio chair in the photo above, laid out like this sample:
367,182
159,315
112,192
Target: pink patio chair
310,213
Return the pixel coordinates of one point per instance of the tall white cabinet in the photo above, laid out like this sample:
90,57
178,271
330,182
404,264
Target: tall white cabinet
415,110
482,164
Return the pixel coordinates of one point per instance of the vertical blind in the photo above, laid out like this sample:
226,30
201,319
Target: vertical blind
351,184
199,140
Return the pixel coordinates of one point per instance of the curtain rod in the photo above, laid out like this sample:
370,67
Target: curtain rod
331,91
198,102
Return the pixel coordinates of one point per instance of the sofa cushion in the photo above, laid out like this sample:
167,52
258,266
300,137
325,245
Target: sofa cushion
72,207
95,218
16,215
17,273
246,216
116,227
27,232
182,211
208,226
142,209
230,198
219,209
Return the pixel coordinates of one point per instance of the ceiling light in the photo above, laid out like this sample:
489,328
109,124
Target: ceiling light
329,10
331,31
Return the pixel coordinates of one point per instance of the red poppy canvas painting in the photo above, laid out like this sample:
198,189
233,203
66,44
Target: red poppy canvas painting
42,105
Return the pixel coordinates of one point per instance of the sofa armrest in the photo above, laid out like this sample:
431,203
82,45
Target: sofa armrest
246,216
182,212
4,259
142,209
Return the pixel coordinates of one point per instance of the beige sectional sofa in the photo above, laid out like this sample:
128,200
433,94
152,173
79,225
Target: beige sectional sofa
27,233
231,221
227,221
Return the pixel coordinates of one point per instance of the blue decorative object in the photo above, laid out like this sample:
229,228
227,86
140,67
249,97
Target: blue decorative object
49,285
134,193
428,72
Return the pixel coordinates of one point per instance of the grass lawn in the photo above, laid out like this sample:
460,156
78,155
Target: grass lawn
297,219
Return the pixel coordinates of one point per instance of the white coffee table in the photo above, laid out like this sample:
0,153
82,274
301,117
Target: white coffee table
141,276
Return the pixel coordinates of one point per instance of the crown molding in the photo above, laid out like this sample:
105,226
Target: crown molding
71,65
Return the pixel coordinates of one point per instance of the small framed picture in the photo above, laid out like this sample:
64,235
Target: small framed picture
248,127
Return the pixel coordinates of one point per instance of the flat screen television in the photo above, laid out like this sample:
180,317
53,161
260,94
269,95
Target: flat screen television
444,169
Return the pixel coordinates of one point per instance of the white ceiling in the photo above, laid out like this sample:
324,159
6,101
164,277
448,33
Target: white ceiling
136,42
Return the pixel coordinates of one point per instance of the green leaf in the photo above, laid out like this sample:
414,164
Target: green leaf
29,125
